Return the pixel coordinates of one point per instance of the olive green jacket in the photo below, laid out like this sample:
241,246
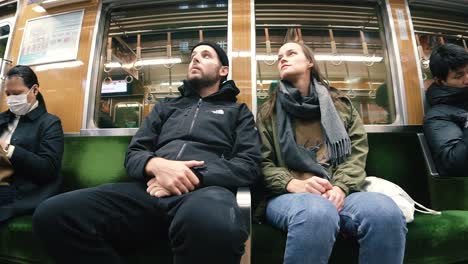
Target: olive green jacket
348,175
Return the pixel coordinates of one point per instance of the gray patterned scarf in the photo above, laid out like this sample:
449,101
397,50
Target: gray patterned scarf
291,104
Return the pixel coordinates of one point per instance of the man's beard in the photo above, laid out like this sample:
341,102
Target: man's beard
205,81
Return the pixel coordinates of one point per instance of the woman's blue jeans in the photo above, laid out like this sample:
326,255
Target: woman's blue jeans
313,222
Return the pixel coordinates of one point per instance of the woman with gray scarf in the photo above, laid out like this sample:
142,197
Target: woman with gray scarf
314,153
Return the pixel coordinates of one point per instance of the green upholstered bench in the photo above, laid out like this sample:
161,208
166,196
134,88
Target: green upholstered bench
87,162
431,239
90,161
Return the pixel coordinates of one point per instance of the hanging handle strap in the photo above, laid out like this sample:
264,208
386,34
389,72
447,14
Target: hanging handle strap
267,42
137,65
420,49
299,35
424,61
332,41
200,35
372,92
365,50
268,48
108,55
169,51
334,51
169,46
350,93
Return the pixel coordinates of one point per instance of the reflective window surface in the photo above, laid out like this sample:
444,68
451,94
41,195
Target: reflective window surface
436,25
5,63
348,42
4,34
147,53
7,13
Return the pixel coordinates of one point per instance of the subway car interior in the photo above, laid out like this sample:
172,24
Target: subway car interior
104,64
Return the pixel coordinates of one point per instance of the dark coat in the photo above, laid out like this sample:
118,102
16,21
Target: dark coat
38,141
214,129
444,128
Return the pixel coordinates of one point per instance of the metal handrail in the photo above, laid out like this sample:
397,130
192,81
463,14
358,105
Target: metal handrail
429,162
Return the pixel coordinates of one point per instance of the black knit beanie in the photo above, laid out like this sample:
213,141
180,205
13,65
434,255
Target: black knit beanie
221,54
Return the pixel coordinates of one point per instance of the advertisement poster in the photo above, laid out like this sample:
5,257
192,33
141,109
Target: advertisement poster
51,38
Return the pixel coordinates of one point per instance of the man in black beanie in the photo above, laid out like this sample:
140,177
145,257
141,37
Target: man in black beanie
188,159
194,73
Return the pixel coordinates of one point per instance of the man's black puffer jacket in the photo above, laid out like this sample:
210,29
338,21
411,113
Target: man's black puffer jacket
445,131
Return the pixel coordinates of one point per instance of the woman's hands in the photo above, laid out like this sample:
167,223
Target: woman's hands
319,186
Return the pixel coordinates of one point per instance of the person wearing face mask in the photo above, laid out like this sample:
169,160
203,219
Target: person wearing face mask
314,149
32,141
446,122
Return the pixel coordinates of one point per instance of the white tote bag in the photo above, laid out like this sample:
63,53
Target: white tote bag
401,198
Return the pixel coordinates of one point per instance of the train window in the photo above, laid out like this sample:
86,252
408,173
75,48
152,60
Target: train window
7,17
5,63
146,53
4,35
348,42
436,24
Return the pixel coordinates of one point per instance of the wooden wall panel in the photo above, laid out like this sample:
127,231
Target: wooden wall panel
241,36
409,65
63,88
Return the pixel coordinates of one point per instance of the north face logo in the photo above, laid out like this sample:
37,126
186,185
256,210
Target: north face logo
218,112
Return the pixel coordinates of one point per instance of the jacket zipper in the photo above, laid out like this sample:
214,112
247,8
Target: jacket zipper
195,116
181,151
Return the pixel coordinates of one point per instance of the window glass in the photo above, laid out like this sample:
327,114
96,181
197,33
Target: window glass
434,26
5,63
348,42
4,35
147,53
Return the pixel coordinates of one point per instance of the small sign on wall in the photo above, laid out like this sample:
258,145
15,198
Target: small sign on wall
53,38
402,24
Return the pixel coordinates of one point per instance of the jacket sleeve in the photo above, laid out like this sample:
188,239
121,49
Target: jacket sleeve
143,144
243,168
350,174
43,165
448,143
275,177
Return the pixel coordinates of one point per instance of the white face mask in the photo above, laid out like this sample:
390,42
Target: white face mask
18,104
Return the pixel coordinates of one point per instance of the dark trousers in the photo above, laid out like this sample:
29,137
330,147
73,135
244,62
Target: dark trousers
90,225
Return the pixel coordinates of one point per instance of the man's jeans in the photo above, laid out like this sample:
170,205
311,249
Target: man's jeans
313,222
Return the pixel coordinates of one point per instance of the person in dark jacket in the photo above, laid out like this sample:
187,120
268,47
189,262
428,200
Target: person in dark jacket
188,157
104,117
446,122
32,140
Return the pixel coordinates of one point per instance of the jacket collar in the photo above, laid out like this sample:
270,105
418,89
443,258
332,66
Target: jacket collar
440,94
227,91
7,116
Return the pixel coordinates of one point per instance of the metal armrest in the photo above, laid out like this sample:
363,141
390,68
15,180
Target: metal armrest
430,166
244,201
